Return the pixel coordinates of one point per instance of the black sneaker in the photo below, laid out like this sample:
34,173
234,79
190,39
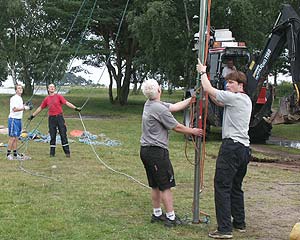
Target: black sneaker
240,229
158,219
173,223
220,235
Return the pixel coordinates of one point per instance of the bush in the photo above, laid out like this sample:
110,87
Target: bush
284,89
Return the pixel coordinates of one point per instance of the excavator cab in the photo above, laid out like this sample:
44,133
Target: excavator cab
223,47
225,54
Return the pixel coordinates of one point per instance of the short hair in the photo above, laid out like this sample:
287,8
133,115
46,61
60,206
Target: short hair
237,76
17,85
150,88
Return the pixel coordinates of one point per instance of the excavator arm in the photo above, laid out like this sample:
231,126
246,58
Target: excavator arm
285,34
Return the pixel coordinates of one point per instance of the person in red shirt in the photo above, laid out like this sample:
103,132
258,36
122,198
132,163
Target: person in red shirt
56,120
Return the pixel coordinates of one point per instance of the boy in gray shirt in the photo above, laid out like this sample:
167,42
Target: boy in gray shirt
234,154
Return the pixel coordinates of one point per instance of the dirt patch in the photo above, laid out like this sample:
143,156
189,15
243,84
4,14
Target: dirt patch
275,157
272,203
272,209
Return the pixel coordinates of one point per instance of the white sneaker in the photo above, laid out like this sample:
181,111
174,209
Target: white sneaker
19,156
10,157
22,157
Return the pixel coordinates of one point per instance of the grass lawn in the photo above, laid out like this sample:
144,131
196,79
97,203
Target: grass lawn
89,197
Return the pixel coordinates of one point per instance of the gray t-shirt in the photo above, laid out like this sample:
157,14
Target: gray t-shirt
236,115
156,121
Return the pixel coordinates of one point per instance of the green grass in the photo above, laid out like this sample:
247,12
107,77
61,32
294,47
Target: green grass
82,199
287,131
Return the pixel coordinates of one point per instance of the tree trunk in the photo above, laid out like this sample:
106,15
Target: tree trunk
275,79
139,89
123,99
116,69
110,92
128,72
135,82
28,90
12,72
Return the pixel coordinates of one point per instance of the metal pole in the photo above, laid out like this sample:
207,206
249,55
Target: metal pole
198,155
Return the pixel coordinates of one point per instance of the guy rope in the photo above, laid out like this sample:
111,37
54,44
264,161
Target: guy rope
83,105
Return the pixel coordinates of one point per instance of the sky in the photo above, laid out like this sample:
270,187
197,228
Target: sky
101,76
97,75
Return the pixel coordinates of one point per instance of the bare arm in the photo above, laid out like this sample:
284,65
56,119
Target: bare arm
70,105
204,80
180,128
15,109
179,105
37,111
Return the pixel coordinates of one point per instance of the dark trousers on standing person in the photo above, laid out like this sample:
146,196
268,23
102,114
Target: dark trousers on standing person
58,122
231,167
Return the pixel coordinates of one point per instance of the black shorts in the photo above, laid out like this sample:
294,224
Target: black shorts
158,167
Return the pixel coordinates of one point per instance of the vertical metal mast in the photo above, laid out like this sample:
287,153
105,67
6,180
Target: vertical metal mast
198,155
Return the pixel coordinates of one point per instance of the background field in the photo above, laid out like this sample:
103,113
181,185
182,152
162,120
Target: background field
82,199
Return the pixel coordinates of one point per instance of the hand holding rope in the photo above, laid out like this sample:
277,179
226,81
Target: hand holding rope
31,117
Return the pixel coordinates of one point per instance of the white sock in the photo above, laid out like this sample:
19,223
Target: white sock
171,215
157,212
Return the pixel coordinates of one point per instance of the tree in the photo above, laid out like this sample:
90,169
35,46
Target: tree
31,36
3,71
153,39
112,47
165,41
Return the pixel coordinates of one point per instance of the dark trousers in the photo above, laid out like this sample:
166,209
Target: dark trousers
231,167
54,123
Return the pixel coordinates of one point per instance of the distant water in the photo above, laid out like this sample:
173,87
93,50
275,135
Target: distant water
4,90
285,143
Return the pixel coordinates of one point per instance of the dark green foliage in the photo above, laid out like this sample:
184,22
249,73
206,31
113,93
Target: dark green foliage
154,39
165,34
284,89
31,39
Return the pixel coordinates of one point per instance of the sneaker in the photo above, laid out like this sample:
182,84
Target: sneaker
52,155
173,223
220,235
160,218
68,155
21,157
240,229
10,157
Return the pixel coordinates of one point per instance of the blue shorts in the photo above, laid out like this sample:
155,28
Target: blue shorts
14,127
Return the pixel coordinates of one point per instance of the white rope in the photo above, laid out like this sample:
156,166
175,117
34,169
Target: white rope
37,174
105,164
93,149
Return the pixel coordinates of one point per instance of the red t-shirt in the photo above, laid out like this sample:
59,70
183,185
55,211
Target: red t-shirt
54,104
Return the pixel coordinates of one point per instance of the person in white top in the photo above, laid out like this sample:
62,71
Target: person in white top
229,68
15,122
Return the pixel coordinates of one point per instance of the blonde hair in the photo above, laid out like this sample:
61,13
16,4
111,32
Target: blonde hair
150,88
